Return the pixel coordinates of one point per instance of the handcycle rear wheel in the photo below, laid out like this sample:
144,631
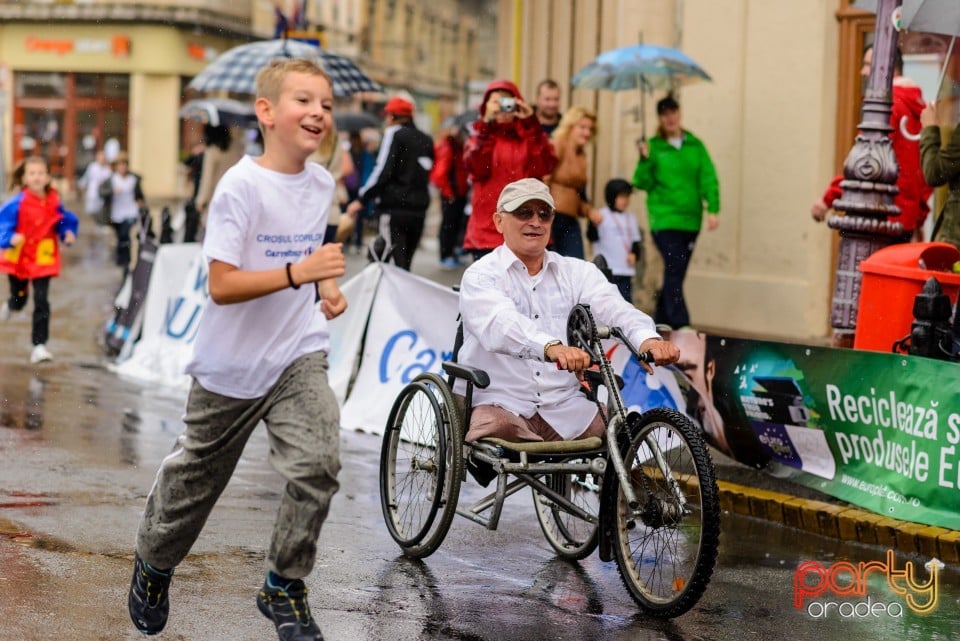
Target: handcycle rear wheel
421,465
568,534
666,552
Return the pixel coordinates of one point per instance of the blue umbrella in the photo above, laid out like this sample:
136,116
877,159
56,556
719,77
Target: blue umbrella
235,70
643,67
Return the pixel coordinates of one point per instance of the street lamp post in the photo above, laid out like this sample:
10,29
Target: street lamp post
869,183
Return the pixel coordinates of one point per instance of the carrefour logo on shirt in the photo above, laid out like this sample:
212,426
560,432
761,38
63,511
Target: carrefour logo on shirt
287,239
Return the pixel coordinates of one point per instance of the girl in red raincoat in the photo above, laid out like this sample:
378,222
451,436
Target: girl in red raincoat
31,225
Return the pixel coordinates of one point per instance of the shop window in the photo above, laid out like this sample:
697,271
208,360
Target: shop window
41,85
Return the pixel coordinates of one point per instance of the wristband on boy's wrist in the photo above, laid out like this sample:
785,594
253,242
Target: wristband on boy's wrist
290,278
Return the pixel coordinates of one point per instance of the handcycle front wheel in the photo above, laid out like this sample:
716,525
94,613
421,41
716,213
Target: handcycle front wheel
421,465
571,536
666,548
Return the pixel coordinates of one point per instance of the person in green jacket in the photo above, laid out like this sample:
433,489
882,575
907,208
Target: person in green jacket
941,166
676,172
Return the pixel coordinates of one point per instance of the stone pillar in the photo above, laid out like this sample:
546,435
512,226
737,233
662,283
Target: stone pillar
869,183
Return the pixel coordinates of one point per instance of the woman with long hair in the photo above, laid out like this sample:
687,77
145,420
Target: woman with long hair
568,182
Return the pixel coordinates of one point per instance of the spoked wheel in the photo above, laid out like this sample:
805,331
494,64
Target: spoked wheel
570,535
421,465
667,548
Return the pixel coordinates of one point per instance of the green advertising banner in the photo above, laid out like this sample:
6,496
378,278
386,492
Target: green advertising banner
881,431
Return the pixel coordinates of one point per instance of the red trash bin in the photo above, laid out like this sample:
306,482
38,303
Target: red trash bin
892,278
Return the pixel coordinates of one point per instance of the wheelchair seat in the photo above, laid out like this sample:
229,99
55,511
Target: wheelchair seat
578,446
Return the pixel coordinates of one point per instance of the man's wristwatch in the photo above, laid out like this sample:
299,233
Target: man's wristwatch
547,346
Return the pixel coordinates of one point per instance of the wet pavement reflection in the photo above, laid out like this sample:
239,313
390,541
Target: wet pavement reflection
79,448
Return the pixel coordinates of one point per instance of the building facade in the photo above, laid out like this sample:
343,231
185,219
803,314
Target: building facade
74,75
778,119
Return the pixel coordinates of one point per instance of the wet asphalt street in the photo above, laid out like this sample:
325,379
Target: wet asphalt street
79,448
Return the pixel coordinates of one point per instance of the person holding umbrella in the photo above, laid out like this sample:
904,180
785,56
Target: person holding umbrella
941,166
676,172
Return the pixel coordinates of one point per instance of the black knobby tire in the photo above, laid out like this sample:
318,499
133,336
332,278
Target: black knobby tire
421,465
570,536
666,555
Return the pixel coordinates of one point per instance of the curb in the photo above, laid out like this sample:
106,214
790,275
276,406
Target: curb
841,522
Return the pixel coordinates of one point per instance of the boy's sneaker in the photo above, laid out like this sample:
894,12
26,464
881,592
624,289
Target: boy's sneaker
450,263
40,354
288,609
4,312
148,602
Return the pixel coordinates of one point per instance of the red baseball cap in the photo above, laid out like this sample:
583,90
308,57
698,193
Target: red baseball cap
399,107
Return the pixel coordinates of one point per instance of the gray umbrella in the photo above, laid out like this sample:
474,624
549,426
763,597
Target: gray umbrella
355,120
927,16
235,70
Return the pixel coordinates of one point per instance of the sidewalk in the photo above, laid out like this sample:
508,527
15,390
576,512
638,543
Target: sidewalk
756,493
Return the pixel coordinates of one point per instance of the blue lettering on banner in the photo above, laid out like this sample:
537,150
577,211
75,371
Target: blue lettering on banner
401,354
181,320
176,311
200,283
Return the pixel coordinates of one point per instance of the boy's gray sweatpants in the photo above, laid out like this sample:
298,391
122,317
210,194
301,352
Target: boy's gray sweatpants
303,424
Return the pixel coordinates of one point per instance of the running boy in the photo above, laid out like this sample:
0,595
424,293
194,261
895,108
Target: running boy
260,354
30,225
619,238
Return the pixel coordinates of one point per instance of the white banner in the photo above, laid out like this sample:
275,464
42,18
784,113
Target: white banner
412,327
172,310
346,330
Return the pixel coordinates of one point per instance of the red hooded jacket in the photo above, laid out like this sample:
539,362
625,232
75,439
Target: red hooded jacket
498,154
905,139
449,173
41,221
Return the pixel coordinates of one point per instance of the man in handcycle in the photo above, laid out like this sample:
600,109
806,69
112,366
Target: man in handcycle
514,303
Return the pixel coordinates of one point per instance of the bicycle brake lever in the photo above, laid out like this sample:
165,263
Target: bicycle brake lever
645,357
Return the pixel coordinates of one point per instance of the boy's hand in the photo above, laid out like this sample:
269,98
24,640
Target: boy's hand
16,240
69,238
326,262
595,216
631,259
332,301
354,208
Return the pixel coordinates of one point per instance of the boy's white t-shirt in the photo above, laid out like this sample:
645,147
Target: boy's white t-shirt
617,232
258,220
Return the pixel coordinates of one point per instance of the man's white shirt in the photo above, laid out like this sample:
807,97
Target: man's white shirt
509,315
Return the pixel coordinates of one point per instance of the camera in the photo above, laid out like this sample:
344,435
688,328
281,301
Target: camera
508,105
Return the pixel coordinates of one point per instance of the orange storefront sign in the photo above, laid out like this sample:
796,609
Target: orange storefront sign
118,45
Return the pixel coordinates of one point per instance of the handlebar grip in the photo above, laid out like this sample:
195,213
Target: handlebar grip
646,357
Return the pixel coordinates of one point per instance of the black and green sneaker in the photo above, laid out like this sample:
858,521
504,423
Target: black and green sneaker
148,603
287,607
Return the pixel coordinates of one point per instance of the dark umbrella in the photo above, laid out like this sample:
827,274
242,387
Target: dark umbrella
219,111
355,120
235,70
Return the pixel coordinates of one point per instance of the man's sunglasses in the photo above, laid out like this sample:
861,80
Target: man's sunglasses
526,214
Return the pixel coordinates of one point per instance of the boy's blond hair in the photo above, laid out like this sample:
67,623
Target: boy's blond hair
270,78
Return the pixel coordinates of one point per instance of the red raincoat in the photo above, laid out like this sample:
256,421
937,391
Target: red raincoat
498,154
40,221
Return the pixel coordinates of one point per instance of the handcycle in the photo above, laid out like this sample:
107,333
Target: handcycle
645,497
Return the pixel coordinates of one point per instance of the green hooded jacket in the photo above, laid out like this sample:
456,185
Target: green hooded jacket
677,182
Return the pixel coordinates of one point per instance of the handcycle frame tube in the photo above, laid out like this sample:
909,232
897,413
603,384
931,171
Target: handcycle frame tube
613,427
560,499
495,500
